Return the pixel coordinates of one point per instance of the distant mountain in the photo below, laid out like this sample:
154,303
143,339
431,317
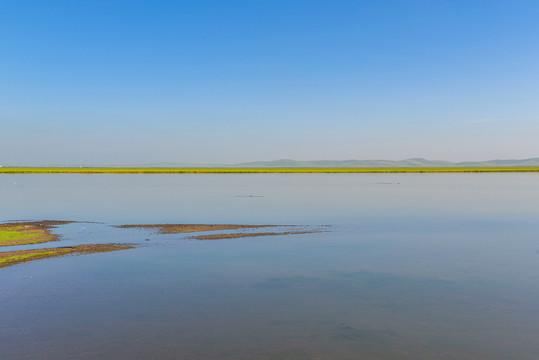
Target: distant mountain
414,162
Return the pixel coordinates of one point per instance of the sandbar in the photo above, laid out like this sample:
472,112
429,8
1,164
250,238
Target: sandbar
189,228
241,235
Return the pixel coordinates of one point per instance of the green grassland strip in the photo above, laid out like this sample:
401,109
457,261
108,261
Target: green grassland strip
32,256
19,256
29,232
10,235
116,170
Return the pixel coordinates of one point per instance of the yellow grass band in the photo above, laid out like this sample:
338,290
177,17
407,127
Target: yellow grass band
136,170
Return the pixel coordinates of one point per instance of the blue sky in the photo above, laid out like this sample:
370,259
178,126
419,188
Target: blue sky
134,82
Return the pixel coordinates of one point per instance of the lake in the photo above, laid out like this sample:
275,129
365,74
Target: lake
408,266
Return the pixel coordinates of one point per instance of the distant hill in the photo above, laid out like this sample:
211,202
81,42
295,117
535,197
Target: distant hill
288,163
524,162
414,162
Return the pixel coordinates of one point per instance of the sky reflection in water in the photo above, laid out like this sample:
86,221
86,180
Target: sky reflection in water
415,266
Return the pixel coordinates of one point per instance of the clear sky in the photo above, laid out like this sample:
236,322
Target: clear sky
135,82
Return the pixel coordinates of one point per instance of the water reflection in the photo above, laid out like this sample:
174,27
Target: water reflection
436,267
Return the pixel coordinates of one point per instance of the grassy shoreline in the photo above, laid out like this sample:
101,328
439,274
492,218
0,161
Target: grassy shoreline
25,233
9,258
321,170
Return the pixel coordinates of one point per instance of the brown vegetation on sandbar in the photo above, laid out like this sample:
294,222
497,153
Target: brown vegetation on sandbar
188,228
241,235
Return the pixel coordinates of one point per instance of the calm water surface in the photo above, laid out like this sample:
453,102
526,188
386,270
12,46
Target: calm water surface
414,266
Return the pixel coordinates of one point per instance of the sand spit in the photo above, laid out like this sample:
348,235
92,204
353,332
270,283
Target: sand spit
9,258
241,235
23,233
189,228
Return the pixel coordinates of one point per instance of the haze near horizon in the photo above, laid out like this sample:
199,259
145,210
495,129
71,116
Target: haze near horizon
230,82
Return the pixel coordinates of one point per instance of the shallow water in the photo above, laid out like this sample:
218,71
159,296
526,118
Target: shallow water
414,266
